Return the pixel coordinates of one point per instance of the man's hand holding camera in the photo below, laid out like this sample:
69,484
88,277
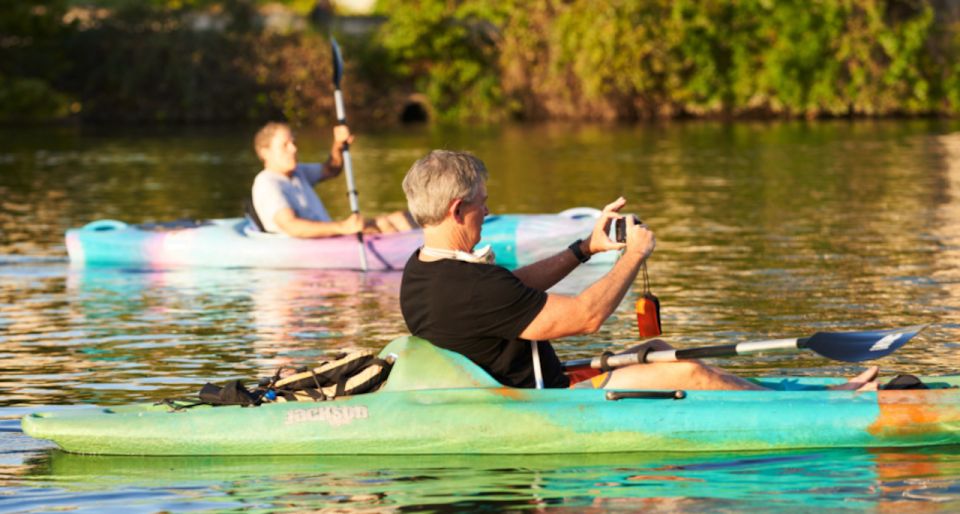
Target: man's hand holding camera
637,236
630,232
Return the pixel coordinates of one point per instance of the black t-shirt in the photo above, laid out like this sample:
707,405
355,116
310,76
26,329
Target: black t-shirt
478,310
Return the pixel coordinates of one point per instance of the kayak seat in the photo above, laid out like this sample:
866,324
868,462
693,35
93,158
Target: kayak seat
251,214
581,212
421,365
180,224
104,225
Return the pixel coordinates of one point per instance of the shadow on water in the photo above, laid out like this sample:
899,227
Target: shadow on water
915,480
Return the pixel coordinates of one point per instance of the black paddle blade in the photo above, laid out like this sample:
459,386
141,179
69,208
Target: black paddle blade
337,63
861,346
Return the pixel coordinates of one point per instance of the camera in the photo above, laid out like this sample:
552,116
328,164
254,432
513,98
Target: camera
621,228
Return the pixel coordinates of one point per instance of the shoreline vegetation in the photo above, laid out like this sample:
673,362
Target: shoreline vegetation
477,61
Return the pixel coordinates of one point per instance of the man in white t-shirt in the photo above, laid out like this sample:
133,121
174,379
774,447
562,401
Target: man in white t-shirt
283,195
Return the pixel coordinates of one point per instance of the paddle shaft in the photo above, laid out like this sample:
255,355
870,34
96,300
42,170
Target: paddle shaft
347,161
841,346
726,350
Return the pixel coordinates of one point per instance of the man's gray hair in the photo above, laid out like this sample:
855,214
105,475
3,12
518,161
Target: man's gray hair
440,178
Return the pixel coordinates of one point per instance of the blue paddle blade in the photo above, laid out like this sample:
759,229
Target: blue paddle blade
337,63
860,346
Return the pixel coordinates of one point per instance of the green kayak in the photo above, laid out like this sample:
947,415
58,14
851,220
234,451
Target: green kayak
438,402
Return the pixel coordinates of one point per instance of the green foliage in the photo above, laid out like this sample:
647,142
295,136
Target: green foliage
140,65
32,35
449,51
27,100
629,60
951,69
147,63
483,60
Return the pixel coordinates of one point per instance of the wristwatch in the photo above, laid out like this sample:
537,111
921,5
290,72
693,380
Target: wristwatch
577,252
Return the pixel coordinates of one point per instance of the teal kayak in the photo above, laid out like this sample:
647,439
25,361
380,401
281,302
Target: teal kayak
438,402
516,240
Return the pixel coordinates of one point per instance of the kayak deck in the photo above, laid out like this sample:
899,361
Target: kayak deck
437,402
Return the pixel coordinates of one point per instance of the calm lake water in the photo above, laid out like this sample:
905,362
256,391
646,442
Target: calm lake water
764,230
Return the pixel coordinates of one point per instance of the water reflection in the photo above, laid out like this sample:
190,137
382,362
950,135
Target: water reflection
946,227
347,309
883,480
112,336
218,324
764,230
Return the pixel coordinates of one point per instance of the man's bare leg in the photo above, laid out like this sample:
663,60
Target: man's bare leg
686,374
866,381
695,375
691,375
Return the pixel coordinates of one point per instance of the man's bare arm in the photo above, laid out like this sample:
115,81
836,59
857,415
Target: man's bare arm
545,273
293,226
585,313
334,164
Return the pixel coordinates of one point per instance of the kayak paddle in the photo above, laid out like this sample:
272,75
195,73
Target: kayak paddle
841,346
347,162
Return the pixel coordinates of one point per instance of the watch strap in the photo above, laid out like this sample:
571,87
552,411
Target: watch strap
577,252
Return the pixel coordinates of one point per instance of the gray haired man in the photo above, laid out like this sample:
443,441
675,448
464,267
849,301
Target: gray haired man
458,300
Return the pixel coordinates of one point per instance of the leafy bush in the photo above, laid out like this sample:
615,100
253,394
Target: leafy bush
27,100
485,60
663,58
449,51
31,58
147,64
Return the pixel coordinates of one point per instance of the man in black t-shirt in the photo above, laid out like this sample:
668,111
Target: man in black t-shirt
458,300
478,310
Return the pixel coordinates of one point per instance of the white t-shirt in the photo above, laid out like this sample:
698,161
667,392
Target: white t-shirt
273,192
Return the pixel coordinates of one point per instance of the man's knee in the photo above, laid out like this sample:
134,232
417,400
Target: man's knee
383,225
658,344
402,221
408,220
694,372
652,345
665,375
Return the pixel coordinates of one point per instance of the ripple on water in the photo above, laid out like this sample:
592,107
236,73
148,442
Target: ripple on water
802,480
764,231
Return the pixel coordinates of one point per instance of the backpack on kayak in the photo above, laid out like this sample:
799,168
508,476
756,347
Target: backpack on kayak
346,374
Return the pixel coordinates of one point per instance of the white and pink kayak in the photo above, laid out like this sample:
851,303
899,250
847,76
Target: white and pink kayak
516,239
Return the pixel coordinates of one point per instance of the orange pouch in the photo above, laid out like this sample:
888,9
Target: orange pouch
648,316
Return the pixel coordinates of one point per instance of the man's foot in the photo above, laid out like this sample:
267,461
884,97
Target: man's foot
866,381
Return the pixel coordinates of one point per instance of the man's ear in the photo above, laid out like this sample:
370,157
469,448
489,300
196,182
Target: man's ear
454,210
